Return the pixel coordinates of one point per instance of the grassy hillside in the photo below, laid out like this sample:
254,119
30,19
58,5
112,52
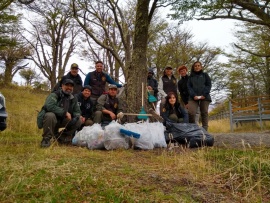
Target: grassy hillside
73,174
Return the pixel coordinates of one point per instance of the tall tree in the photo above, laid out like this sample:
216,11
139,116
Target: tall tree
252,61
53,37
14,56
108,30
134,62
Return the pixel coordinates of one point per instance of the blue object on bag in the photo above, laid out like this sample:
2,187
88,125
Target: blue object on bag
130,133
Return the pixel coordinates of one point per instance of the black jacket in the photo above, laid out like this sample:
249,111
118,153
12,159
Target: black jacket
199,83
169,85
77,83
183,89
152,82
85,105
167,110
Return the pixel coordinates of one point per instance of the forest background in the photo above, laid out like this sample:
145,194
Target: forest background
130,36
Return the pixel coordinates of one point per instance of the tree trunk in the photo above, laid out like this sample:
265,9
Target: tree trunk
8,73
138,68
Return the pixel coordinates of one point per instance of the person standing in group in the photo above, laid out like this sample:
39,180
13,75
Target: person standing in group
74,76
152,84
108,106
182,84
167,83
60,110
86,106
172,111
199,87
97,80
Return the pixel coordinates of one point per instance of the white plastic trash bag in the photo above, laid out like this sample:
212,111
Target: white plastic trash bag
112,137
157,130
145,141
90,136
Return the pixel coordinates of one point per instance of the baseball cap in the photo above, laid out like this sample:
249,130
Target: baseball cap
87,87
168,67
112,86
74,65
150,70
68,81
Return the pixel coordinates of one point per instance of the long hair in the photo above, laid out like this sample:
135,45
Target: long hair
167,103
169,107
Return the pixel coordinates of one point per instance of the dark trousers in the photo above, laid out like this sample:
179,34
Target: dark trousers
51,125
192,109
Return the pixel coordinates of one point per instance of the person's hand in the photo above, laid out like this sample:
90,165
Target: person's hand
202,97
149,88
68,116
112,115
120,115
82,119
186,106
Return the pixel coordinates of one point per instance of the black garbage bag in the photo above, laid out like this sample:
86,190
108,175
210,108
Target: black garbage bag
189,134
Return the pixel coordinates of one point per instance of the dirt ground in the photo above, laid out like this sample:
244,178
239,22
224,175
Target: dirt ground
240,140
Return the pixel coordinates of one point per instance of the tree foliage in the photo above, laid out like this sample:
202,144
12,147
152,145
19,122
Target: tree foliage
250,69
29,75
53,37
256,12
13,57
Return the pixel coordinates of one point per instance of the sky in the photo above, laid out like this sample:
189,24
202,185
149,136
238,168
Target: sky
218,33
215,32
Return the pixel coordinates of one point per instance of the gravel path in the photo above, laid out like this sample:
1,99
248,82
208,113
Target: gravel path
239,140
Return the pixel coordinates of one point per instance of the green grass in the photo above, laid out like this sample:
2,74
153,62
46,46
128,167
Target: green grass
29,173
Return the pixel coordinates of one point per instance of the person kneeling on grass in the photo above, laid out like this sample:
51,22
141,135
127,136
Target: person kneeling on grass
60,110
86,105
172,111
108,106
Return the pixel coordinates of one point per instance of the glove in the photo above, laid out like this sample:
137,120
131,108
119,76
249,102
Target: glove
120,115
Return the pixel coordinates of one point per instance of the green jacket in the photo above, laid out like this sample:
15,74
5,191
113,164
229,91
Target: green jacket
59,103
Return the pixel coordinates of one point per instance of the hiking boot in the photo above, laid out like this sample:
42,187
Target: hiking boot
155,115
45,142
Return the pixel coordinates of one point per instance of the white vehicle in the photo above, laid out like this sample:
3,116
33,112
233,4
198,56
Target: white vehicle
3,113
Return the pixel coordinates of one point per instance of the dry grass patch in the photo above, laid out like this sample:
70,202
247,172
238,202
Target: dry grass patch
73,174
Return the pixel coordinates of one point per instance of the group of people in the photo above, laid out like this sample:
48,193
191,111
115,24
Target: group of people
74,104
194,92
